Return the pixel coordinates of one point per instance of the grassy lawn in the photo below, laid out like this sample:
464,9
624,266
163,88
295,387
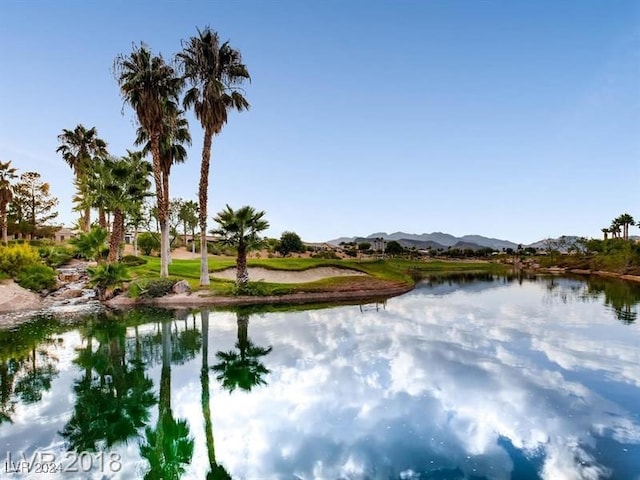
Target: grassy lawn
383,273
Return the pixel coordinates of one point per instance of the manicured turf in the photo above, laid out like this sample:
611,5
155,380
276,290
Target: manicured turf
387,272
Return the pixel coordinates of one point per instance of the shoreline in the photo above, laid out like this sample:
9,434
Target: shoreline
203,299
579,271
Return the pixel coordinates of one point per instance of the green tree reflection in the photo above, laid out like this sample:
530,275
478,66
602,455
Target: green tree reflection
242,369
168,447
216,471
114,395
621,296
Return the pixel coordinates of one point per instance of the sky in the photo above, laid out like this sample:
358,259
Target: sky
510,119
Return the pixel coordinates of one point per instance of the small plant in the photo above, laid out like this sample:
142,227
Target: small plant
54,256
91,245
133,261
37,278
151,288
107,276
13,258
251,289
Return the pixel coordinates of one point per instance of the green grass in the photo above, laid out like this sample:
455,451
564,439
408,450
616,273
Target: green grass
401,272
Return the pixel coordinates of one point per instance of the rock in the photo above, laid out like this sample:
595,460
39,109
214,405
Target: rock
68,277
181,287
71,293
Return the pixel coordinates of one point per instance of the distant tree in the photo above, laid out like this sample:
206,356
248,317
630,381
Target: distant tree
7,174
394,248
148,242
605,231
240,228
625,220
80,148
188,215
290,242
32,205
364,246
615,228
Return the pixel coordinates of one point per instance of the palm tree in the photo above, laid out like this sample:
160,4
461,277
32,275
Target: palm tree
624,221
241,229
614,229
151,87
7,173
80,148
242,369
175,134
215,72
121,185
605,231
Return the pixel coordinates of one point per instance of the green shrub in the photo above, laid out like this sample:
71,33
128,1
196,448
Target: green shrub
329,255
37,278
106,276
132,260
14,257
151,288
54,256
252,289
91,245
148,242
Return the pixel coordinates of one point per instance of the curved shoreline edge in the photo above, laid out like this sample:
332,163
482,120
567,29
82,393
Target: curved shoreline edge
195,300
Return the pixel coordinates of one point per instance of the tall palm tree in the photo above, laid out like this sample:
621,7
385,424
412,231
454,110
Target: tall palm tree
122,185
80,148
215,73
7,173
241,229
175,134
151,86
605,231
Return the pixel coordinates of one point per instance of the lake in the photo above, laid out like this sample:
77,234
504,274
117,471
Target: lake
465,377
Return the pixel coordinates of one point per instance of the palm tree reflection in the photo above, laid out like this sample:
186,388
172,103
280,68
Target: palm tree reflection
168,447
242,368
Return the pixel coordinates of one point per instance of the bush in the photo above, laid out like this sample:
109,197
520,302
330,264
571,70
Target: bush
329,255
151,288
133,261
15,257
91,245
147,242
107,276
54,256
37,278
290,242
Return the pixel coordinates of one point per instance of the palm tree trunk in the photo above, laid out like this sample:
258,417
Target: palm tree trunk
203,193
162,212
102,218
3,222
135,242
167,240
117,234
242,275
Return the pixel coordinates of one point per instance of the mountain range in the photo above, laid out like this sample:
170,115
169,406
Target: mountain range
437,240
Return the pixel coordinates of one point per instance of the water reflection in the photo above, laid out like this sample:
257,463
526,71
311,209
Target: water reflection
490,378
242,368
169,446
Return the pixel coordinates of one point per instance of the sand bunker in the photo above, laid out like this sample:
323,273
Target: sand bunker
257,274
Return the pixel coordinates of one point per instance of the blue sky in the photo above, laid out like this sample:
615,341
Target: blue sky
511,119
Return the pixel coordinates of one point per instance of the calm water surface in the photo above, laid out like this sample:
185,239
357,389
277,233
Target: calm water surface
466,377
